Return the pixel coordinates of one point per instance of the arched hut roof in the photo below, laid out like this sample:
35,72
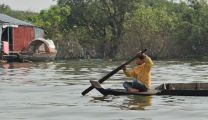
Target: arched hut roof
36,43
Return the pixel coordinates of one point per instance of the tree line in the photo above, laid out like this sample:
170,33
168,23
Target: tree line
119,28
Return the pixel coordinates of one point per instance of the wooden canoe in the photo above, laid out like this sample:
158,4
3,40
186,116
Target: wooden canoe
176,89
39,50
109,91
183,89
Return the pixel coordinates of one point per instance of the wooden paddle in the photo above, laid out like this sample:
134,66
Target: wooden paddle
113,72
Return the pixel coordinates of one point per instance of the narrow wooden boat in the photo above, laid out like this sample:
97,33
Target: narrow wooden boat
109,91
178,89
39,50
183,89
37,57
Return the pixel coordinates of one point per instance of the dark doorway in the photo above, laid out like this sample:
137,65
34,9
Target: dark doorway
7,35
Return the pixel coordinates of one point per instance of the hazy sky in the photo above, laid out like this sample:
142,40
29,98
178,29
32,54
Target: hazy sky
32,5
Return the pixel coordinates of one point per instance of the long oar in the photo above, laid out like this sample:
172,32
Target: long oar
112,73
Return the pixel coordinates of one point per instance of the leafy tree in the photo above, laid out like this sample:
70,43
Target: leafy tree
103,18
51,20
22,15
192,28
115,28
150,28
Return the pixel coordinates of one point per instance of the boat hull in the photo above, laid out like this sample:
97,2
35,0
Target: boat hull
173,89
39,50
124,92
184,92
105,92
38,57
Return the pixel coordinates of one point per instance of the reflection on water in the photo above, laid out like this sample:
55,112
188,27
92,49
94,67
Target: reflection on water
131,102
103,99
52,90
138,102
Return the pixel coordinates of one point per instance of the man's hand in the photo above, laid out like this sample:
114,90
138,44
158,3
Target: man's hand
124,67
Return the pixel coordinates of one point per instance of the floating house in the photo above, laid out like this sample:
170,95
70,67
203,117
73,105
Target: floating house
16,36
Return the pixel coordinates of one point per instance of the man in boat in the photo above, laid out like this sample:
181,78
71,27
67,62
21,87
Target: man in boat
142,74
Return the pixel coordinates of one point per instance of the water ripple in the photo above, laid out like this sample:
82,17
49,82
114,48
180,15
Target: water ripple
40,91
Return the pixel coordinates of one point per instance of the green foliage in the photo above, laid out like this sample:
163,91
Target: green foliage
149,28
22,15
102,19
192,29
51,20
119,28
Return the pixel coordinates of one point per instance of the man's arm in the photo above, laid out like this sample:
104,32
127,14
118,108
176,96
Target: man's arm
128,73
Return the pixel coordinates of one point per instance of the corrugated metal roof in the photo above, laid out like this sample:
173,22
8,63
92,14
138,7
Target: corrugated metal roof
5,19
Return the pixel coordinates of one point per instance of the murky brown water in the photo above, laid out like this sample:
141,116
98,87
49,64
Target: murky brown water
52,91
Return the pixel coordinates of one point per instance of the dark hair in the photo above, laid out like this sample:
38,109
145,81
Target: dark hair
141,57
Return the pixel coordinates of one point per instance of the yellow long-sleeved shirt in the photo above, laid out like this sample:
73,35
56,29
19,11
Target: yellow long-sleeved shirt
142,72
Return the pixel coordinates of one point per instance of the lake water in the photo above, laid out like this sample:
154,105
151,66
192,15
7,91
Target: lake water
52,91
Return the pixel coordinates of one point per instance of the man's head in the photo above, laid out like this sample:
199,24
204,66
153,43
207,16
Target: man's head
140,60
